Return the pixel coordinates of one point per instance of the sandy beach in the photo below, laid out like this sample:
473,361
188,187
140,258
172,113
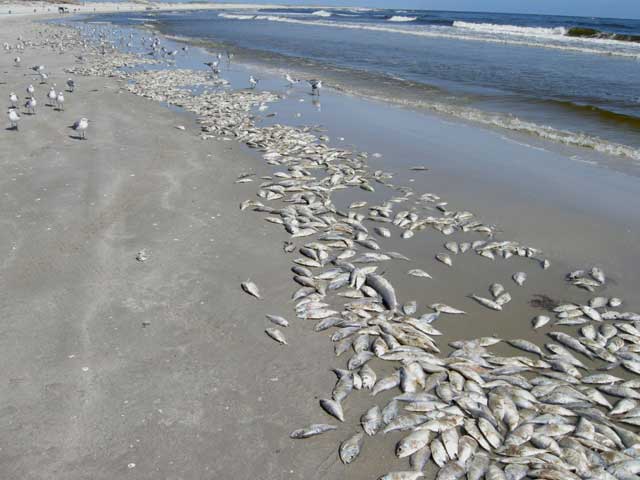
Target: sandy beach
129,347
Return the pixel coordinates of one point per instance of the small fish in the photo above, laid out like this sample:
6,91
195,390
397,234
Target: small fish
487,303
540,321
251,288
443,308
503,299
444,258
371,421
416,272
277,335
312,430
526,346
598,275
496,290
350,448
519,278
278,320
333,408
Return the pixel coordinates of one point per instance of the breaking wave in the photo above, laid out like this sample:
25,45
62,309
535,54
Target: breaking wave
578,45
322,13
400,18
511,29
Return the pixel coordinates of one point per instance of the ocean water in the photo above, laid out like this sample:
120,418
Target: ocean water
571,80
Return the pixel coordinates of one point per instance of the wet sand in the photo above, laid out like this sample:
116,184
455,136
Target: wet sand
163,364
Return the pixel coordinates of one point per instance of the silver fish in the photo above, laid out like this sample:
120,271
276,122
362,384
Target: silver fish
312,430
519,278
487,302
350,448
333,408
251,288
277,335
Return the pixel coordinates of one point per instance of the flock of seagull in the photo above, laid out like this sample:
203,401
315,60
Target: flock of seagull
55,99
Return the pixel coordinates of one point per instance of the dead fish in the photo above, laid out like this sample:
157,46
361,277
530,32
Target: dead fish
413,442
409,308
371,421
496,290
277,335
519,278
416,272
383,232
443,308
526,346
452,247
540,321
333,408
598,275
478,466
451,471
503,299
487,303
312,430
350,448
251,288
278,320
384,288
444,258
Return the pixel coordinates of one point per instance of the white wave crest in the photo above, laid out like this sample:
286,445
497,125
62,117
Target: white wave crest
322,13
583,45
511,29
400,18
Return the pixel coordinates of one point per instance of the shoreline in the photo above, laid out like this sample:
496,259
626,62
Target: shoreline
221,366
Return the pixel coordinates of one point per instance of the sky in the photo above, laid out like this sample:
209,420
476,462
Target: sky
583,8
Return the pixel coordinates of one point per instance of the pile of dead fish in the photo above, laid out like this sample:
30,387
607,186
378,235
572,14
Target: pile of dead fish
471,412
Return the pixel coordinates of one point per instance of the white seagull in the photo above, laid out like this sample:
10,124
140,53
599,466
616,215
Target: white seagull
43,77
81,127
60,101
13,98
52,96
316,85
30,90
253,81
292,81
31,105
17,61
14,118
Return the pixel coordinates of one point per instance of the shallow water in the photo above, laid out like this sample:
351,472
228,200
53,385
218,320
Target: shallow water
519,72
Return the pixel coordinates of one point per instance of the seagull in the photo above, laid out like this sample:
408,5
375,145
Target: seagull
253,81
17,61
43,77
316,85
292,81
60,101
13,98
212,65
31,105
37,68
14,118
81,126
52,96
30,90
71,84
